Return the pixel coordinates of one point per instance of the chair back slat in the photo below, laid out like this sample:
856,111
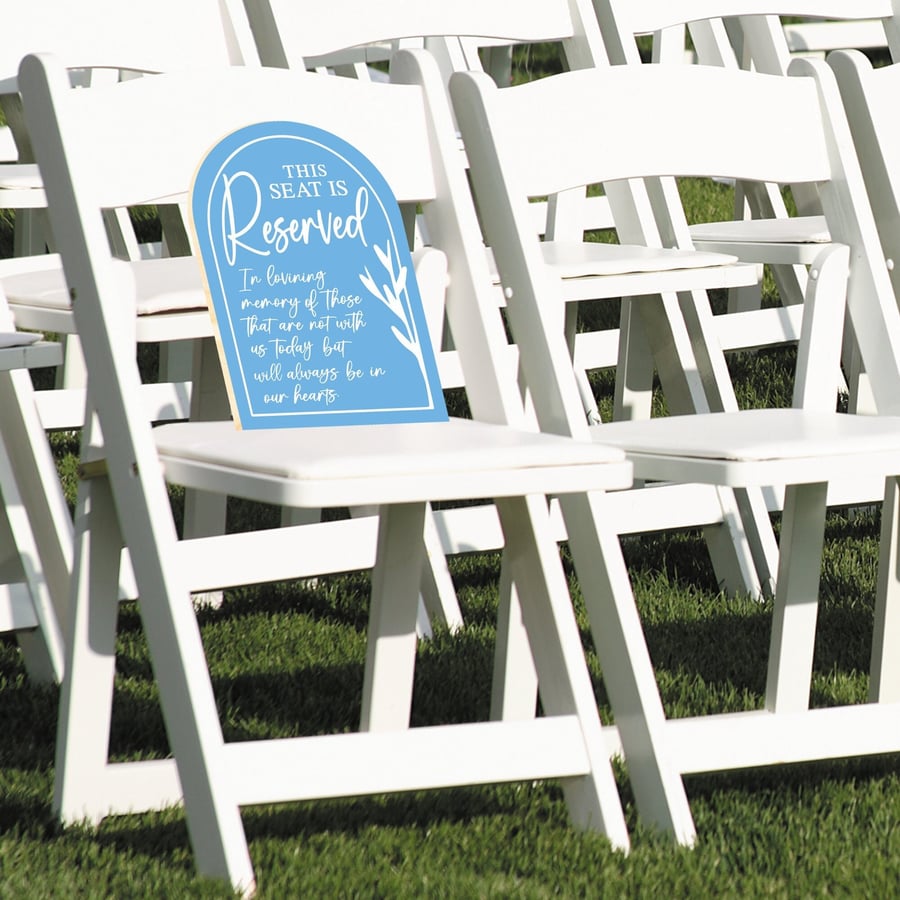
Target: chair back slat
125,162
282,31
648,16
156,37
681,137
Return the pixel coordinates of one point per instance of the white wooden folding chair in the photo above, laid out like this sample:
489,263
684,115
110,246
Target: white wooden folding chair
35,525
102,41
398,468
99,41
805,447
284,39
740,34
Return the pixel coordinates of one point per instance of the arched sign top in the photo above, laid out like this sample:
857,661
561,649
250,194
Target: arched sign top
310,283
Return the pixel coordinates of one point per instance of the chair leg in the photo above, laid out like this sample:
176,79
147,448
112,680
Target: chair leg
565,684
39,532
796,598
743,549
82,746
438,591
514,688
635,366
204,512
627,669
191,717
884,678
391,645
437,598
182,675
27,610
581,376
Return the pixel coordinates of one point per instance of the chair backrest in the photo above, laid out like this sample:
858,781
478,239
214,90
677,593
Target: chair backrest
814,146
156,37
716,26
284,38
870,101
734,34
104,40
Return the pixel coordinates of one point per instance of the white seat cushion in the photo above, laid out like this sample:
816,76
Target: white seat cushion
18,176
386,463
574,259
755,435
757,448
18,338
172,284
794,230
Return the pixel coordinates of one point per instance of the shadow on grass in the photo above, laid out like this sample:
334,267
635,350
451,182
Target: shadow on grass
723,656
781,783
452,683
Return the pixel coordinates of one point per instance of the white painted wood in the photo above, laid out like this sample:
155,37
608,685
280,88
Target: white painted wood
797,599
391,645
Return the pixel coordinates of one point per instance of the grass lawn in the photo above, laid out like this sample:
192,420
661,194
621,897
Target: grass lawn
288,659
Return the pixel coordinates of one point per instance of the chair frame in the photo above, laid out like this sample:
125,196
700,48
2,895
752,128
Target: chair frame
121,471
493,123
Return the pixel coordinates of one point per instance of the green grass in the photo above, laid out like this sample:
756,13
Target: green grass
288,660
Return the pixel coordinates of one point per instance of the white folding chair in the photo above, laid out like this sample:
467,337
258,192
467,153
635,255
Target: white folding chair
99,41
398,468
740,34
103,41
283,39
35,525
805,447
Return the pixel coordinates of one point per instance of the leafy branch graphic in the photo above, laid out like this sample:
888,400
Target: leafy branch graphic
390,296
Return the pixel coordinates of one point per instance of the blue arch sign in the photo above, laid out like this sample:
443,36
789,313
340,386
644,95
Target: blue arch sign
311,285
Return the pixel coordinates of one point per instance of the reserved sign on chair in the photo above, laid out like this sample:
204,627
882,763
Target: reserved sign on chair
310,283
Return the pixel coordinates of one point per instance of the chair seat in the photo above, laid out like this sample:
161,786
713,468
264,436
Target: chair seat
171,284
757,447
16,176
793,230
18,338
457,459
579,259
